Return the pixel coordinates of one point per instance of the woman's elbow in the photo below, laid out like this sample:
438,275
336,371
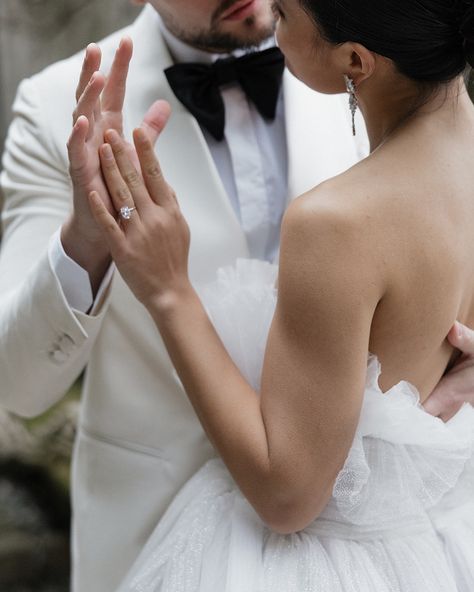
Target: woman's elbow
291,516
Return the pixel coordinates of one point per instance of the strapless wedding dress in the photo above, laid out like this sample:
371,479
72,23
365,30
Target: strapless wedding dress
401,516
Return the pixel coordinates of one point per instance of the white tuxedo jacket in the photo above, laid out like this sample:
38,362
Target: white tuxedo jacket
138,438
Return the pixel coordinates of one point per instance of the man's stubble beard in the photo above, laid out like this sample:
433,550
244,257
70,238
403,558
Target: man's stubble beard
216,41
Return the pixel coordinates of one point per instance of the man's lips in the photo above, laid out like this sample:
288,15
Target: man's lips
239,10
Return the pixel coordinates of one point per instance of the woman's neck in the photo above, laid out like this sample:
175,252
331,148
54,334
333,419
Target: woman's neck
385,113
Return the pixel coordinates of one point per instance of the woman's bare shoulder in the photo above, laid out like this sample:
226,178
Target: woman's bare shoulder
328,233
344,205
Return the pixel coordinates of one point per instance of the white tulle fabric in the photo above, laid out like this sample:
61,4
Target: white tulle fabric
401,518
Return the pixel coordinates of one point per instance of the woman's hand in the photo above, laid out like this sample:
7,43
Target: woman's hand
457,386
150,246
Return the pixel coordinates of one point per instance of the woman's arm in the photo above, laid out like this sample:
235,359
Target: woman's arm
285,448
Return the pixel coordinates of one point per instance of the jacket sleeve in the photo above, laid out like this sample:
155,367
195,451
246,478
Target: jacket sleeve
44,344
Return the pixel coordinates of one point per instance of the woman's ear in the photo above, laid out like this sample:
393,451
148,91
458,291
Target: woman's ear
362,63
356,61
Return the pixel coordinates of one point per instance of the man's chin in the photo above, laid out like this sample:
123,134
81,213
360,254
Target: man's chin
244,36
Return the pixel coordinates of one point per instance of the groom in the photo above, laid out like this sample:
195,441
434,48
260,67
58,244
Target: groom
61,307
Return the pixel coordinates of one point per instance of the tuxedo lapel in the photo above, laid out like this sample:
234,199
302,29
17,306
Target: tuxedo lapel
319,136
183,152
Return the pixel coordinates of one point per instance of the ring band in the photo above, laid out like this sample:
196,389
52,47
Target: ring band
126,212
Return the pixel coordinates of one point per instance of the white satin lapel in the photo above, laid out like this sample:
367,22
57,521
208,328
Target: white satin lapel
319,136
182,149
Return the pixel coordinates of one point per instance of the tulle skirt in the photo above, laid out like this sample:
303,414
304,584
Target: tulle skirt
401,515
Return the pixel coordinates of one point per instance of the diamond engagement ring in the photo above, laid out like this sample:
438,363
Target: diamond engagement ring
126,212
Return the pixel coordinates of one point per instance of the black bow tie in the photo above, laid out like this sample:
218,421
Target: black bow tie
197,85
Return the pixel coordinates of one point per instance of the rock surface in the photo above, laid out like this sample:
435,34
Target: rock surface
34,501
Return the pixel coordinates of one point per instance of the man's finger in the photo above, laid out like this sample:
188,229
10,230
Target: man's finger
462,338
433,404
155,120
89,102
76,145
450,412
452,391
90,65
114,90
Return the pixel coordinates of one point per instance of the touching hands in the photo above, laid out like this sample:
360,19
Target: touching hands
457,386
99,108
151,247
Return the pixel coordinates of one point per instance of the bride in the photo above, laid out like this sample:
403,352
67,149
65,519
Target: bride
330,475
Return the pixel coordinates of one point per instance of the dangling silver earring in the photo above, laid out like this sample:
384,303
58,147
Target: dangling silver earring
353,102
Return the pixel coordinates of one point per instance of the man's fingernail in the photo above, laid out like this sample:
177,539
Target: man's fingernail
112,136
459,330
140,134
107,152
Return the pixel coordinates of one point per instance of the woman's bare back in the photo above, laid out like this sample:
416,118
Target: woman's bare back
414,199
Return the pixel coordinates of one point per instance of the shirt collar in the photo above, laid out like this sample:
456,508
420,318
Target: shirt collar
181,52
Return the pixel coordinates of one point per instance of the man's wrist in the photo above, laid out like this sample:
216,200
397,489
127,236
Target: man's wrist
92,255
73,279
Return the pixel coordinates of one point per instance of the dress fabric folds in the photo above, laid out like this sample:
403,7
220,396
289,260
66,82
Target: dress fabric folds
401,516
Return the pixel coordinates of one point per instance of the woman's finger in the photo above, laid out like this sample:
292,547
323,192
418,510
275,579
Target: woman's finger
112,232
129,174
90,65
156,184
124,202
114,90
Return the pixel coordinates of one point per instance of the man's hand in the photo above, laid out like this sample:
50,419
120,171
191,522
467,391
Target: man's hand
99,108
456,387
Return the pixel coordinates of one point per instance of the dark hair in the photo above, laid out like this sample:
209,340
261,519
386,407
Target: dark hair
430,41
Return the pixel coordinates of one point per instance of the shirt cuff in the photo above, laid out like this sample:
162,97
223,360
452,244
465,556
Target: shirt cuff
73,279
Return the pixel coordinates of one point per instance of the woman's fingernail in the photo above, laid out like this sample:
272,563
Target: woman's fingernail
459,330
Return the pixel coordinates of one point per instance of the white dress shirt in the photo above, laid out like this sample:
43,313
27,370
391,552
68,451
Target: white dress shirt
251,161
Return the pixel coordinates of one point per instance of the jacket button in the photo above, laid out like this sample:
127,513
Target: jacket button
66,344
58,356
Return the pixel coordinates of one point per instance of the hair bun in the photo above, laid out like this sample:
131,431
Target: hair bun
467,31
